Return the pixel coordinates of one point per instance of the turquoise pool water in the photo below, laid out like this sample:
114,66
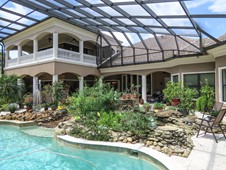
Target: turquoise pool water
19,151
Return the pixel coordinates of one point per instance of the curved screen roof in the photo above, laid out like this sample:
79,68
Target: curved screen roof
190,25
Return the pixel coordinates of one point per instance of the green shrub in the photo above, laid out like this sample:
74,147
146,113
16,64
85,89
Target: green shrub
134,122
100,97
158,105
109,120
172,91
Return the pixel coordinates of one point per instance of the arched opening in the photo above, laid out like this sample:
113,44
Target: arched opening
90,80
90,48
13,52
27,47
45,41
28,82
70,81
69,42
44,79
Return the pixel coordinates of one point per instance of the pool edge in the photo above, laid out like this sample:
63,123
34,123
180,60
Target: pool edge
130,149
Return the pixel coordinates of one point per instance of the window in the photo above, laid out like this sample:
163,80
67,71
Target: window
175,78
224,84
197,80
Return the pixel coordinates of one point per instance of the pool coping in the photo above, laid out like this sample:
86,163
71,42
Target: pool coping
159,159
17,123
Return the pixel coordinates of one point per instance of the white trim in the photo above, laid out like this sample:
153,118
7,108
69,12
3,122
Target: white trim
220,93
176,74
199,72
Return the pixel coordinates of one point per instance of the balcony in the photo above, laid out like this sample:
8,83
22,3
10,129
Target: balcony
47,55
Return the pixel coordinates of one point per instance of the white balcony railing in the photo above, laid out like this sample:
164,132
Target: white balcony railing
12,62
48,54
44,54
70,55
26,58
89,59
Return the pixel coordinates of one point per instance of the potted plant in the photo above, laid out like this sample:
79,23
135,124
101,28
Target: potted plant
28,101
46,106
146,106
53,106
159,106
172,92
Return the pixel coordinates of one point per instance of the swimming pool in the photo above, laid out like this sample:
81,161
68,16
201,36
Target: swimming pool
19,151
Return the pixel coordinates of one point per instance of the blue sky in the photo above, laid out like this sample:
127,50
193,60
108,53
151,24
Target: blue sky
215,27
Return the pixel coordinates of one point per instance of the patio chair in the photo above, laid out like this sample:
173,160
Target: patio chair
216,107
211,123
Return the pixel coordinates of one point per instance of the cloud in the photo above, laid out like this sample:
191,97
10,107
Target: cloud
218,6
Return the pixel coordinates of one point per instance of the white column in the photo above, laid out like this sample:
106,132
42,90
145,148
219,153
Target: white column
6,57
144,88
81,82
35,85
35,48
131,81
81,44
55,78
19,53
138,83
55,45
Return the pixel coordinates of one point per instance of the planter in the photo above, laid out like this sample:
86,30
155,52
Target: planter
175,102
53,107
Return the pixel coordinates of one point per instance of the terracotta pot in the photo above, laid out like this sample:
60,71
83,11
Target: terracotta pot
175,102
141,101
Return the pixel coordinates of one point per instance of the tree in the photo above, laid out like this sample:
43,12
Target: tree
10,91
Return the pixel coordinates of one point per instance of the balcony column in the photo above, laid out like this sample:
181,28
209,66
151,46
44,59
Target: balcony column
55,78
6,57
55,45
81,83
35,48
144,88
81,51
19,52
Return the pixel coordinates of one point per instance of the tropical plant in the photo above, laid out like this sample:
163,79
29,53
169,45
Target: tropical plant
186,96
172,91
205,102
28,100
109,120
10,90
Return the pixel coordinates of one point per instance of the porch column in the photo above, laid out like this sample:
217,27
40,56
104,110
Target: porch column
131,82
55,45
6,57
144,88
81,44
138,83
55,78
19,53
81,82
35,48
35,85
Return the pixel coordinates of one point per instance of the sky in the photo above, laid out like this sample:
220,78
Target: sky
215,27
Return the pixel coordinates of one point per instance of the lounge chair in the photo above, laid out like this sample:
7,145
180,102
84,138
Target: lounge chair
216,107
211,123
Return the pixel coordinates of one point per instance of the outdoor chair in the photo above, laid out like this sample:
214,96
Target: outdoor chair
216,107
211,123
